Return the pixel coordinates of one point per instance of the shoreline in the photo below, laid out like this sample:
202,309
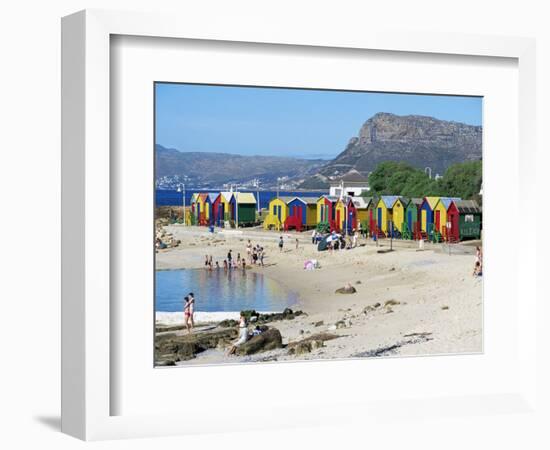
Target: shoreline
435,305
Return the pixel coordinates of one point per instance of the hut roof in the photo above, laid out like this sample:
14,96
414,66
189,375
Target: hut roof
306,200
330,198
432,201
245,198
467,206
213,196
447,201
389,200
283,198
202,196
226,195
361,202
417,201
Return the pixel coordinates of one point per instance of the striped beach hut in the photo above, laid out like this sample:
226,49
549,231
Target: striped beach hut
244,207
453,219
201,208
278,212
469,221
217,217
361,205
384,212
326,210
427,213
302,213
440,214
340,213
412,217
227,205
210,215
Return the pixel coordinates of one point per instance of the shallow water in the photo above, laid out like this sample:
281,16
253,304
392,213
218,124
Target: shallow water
219,290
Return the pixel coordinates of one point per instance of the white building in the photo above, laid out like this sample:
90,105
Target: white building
352,183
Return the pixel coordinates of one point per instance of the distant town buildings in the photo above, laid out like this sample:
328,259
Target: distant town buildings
352,183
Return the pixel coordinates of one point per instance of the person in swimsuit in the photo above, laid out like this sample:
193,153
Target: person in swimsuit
188,312
281,244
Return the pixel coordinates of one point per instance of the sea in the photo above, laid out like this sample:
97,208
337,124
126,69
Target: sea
219,294
166,197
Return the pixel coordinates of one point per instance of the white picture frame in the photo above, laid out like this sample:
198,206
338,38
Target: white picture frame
86,248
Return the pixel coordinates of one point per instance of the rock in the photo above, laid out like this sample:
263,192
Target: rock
182,348
445,307
340,324
348,289
268,340
358,282
392,269
377,305
310,343
320,323
391,303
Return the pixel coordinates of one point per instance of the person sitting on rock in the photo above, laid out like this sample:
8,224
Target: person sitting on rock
243,335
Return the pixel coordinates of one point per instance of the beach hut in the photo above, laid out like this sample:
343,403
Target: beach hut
217,211
302,213
340,213
384,212
412,212
361,205
201,208
453,220
427,214
244,207
469,222
398,217
278,212
440,214
326,210
227,207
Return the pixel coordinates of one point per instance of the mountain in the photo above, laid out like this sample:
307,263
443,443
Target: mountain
418,140
213,170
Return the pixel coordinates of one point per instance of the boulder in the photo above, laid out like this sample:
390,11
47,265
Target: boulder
348,289
268,340
182,348
310,343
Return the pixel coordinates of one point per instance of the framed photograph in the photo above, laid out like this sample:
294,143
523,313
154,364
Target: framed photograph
256,213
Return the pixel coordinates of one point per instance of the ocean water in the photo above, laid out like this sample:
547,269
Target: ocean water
165,197
220,291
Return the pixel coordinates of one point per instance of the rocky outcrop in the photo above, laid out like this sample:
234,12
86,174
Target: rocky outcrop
270,339
253,316
418,140
309,344
171,348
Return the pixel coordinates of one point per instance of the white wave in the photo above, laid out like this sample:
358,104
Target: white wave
176,318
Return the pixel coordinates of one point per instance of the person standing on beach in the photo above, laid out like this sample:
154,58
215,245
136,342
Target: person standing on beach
281,243
188,313
261,256
297,242
229,258
249,251
313,236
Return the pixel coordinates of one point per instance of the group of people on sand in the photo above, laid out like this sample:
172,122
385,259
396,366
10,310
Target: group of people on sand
478,263
255,253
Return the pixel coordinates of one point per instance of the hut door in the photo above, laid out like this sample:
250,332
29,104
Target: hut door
299,210
379,218
437,220
338,217
409,219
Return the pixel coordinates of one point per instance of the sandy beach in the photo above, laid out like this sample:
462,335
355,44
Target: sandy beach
407,302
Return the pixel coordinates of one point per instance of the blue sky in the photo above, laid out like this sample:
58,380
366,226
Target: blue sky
285,122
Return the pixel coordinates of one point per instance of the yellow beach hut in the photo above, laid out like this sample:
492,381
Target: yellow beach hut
384,212
278,212
427,213
340,213
202,209
398,214
226,205
440,214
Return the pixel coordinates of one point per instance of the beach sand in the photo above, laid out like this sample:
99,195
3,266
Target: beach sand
429,303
